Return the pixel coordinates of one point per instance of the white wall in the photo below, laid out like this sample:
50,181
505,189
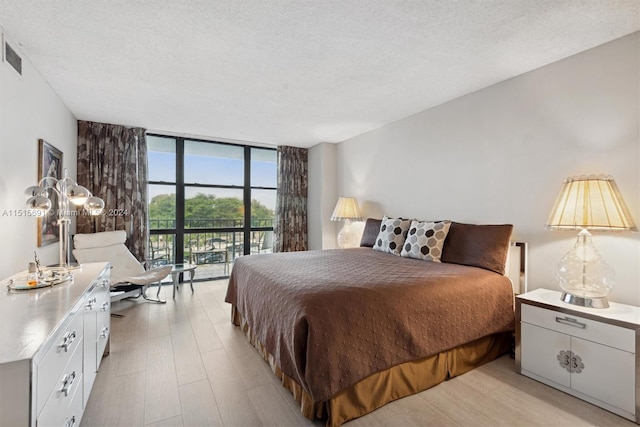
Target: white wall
29,110
322,196
499,155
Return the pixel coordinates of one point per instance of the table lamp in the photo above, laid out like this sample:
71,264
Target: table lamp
68,191
346,210
588,203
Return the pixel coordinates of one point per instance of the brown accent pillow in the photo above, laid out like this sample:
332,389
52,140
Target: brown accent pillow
371,230
484,246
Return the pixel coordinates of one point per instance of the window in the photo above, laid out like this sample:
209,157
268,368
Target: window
209,202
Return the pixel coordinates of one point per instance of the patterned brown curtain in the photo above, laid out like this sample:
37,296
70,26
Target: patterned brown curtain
290,231
112,164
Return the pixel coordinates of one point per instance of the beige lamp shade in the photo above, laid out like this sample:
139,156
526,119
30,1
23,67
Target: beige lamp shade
590,202
346,208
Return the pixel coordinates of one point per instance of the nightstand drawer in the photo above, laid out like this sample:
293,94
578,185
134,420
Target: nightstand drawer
603,333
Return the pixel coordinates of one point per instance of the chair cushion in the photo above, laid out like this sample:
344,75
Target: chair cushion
123,263
99,240
148,277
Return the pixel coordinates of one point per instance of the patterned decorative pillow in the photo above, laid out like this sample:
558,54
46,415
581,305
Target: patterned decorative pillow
426,240
392,233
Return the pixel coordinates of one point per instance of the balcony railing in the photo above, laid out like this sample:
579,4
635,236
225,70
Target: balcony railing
215,251
195,223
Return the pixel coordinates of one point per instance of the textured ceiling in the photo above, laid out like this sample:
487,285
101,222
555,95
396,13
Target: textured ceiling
293,72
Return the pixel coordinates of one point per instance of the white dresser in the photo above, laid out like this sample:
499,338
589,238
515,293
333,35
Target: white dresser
51,344
589,353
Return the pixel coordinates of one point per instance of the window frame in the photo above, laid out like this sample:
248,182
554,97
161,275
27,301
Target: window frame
179,231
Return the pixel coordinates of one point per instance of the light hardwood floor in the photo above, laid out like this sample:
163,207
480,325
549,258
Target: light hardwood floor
184,364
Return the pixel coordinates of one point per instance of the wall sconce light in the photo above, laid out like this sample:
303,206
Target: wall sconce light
68,191
588,202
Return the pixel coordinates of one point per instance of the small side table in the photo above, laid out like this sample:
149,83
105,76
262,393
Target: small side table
176,269
590,353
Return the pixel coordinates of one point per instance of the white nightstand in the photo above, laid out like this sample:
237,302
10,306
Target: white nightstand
589,353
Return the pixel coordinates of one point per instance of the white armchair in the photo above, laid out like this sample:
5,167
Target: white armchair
129,279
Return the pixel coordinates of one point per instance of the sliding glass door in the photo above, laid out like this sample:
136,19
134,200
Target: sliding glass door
209,202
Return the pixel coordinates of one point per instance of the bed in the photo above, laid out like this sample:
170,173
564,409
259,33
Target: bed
349,330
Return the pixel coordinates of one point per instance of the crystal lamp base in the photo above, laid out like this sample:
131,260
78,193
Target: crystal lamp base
346,239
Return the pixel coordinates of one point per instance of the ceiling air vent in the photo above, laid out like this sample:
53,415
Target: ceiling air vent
12,58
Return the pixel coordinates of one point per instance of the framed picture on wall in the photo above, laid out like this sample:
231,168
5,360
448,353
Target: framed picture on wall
49,166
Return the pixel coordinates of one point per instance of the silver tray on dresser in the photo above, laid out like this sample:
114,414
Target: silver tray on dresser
51,277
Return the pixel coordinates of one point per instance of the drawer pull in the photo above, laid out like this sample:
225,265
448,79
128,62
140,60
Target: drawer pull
104,283
564,359
67,382
571,322
576,363
71,422
67,340
105,306
570,361
105,332
90,304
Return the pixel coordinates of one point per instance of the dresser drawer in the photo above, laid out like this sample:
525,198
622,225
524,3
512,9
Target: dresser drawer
59,414
65,399
104,332
603,333
49,369
103,318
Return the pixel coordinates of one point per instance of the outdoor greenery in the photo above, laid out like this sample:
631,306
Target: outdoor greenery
205,211
206,207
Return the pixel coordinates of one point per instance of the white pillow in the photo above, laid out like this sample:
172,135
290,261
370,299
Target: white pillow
392,234
425,240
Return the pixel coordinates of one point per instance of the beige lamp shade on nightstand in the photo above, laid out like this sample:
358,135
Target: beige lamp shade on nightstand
588,203
346,210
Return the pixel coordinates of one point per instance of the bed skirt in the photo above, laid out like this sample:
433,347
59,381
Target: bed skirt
386,386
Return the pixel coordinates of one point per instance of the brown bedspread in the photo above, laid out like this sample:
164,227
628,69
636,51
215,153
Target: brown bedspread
331,318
